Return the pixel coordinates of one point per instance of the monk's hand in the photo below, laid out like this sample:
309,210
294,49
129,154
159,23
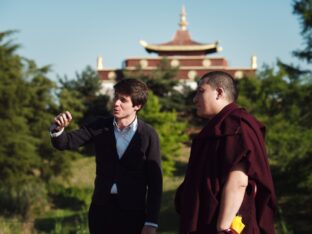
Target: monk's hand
148,230
62,120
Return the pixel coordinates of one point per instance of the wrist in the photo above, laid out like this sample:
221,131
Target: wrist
150,224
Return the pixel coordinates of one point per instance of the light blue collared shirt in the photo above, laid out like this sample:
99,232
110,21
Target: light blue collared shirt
123,138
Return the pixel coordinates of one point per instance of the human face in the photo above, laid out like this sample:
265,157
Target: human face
123,108
206,100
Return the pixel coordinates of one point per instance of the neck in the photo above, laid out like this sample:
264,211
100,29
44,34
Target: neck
218,109
124,122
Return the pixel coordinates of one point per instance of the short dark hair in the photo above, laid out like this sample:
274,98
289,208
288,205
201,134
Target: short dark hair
135,88
224,80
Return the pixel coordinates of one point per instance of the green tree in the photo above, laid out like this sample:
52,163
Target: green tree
27,160
82,96
284,104
171,131
18,148
86,86
302,8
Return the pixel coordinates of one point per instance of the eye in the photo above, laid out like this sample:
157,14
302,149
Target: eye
122,99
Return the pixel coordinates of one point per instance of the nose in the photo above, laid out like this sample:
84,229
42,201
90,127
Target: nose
116,102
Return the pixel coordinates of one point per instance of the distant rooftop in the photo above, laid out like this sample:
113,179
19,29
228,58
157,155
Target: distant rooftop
182,43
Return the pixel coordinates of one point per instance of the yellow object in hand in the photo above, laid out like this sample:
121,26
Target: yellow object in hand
237,224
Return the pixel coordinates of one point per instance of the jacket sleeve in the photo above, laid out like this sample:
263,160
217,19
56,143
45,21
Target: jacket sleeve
154,178
74,139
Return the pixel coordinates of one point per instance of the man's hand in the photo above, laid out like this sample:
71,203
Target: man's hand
62,120
148,230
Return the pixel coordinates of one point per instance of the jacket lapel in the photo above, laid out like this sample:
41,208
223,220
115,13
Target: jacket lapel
110,135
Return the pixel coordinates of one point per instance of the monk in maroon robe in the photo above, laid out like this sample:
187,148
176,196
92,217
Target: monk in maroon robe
228,172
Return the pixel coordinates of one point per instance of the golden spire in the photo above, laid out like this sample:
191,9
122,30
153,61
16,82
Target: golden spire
183,23
99,63
254,62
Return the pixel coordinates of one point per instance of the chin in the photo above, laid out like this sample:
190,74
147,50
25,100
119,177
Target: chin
199,114
203,115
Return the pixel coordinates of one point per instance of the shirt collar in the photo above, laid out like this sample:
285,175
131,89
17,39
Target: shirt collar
132,126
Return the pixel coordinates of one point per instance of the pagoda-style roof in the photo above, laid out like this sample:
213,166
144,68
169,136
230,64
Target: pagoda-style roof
182,43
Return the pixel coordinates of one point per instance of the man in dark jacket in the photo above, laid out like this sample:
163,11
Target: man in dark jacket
228,172
128,183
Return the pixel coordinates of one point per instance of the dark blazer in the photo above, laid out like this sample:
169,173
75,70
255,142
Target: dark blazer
137,174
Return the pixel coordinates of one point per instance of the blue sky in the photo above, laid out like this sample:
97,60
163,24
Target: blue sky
70,34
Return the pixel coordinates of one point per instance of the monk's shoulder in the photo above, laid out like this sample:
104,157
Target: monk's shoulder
231,124
236,120
244,120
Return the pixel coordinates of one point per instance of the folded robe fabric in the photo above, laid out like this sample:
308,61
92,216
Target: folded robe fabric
233,136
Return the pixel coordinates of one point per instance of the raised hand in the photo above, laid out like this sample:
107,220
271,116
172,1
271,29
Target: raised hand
62,120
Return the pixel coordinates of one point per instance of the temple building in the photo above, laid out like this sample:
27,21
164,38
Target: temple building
192,59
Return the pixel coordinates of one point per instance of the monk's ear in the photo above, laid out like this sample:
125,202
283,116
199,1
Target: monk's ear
220,92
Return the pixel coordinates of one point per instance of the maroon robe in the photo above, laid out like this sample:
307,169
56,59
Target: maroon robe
233,136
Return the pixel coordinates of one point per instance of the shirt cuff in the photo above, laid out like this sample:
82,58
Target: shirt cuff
151,224
55,134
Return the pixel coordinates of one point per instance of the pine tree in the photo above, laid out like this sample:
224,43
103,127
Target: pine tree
171,131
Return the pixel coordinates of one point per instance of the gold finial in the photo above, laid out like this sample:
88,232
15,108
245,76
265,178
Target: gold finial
254,62
183,23
143,43
99,65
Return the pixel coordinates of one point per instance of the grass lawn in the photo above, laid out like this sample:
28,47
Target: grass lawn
294,205
83,172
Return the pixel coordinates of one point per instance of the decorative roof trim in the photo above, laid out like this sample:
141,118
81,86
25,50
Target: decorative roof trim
180,47
180,57
197,68
185,68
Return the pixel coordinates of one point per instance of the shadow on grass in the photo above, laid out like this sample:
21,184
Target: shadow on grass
77,223
70,224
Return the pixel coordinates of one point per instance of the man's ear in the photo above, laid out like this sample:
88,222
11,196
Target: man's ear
137,107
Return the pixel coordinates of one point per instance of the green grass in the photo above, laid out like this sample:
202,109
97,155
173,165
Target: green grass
83,172
10,225
82,176
168,223
294,216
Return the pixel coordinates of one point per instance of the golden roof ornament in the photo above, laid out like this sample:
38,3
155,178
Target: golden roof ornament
99,63
254,62
183,23
182,43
